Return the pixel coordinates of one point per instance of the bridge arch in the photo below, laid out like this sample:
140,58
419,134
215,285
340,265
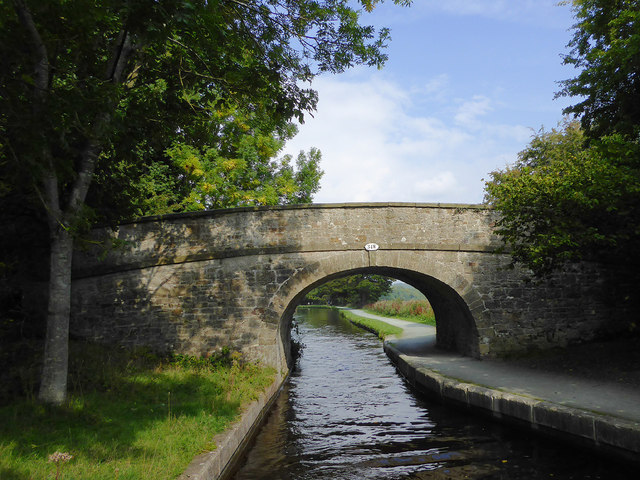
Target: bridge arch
455,326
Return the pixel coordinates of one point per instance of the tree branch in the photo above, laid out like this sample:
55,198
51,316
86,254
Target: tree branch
51,197
42,57
114,72
121,51
204,63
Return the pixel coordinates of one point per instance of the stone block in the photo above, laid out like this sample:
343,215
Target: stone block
514,406
429,381
618,433
404,368
480,397
455,391
564,419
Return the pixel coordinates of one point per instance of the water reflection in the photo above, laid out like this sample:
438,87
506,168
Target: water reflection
346,414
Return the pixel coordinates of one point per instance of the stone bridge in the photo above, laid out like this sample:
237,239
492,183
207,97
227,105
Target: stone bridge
193,283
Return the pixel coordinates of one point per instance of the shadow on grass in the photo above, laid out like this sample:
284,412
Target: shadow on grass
122,416
10,474
101,426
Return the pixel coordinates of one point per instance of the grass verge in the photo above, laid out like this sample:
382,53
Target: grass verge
318,307
129,416
378,327
418,311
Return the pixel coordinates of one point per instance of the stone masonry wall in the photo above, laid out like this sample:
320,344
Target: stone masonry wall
194,283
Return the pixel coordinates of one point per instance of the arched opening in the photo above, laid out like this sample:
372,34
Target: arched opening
455,327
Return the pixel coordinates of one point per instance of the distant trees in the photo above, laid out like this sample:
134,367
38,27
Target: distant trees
403,292
574,193
354,291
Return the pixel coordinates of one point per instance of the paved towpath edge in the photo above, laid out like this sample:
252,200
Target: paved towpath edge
603,415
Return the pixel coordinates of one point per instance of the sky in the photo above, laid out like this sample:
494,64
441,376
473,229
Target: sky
467,84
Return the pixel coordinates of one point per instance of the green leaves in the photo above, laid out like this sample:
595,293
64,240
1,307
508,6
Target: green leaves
228,160
355,290
189,68
568,201
606,48
574,193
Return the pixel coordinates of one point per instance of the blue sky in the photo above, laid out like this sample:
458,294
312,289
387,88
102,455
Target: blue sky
466,85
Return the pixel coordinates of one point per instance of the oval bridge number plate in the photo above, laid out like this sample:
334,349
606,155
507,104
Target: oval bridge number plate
371,247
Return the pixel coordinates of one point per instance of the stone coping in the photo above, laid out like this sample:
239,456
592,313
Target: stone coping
233,443
305,206
603,432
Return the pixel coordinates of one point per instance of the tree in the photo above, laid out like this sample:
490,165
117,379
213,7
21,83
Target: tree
565,200
238,168
574,193
403,292
76,76
606,50
355,290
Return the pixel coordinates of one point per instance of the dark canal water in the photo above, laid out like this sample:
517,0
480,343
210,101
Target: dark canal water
346,414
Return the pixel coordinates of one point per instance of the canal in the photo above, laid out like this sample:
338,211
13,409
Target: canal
346,414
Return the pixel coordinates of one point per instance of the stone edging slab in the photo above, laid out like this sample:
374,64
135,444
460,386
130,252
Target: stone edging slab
231,444
603,432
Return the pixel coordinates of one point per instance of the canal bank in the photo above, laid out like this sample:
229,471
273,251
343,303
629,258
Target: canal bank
346,413
231,444
608,418
603,415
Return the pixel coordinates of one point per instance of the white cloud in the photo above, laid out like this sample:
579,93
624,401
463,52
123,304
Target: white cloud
435,89
376,148
436,185
439,118
469,111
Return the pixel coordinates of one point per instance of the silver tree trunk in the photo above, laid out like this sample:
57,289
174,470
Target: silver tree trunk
53,385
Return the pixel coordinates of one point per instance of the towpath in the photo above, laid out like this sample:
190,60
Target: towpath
601,412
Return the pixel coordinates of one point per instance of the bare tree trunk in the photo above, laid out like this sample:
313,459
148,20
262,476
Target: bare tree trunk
53,384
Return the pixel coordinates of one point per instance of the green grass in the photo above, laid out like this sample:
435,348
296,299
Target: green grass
378,327
418,311
128,416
